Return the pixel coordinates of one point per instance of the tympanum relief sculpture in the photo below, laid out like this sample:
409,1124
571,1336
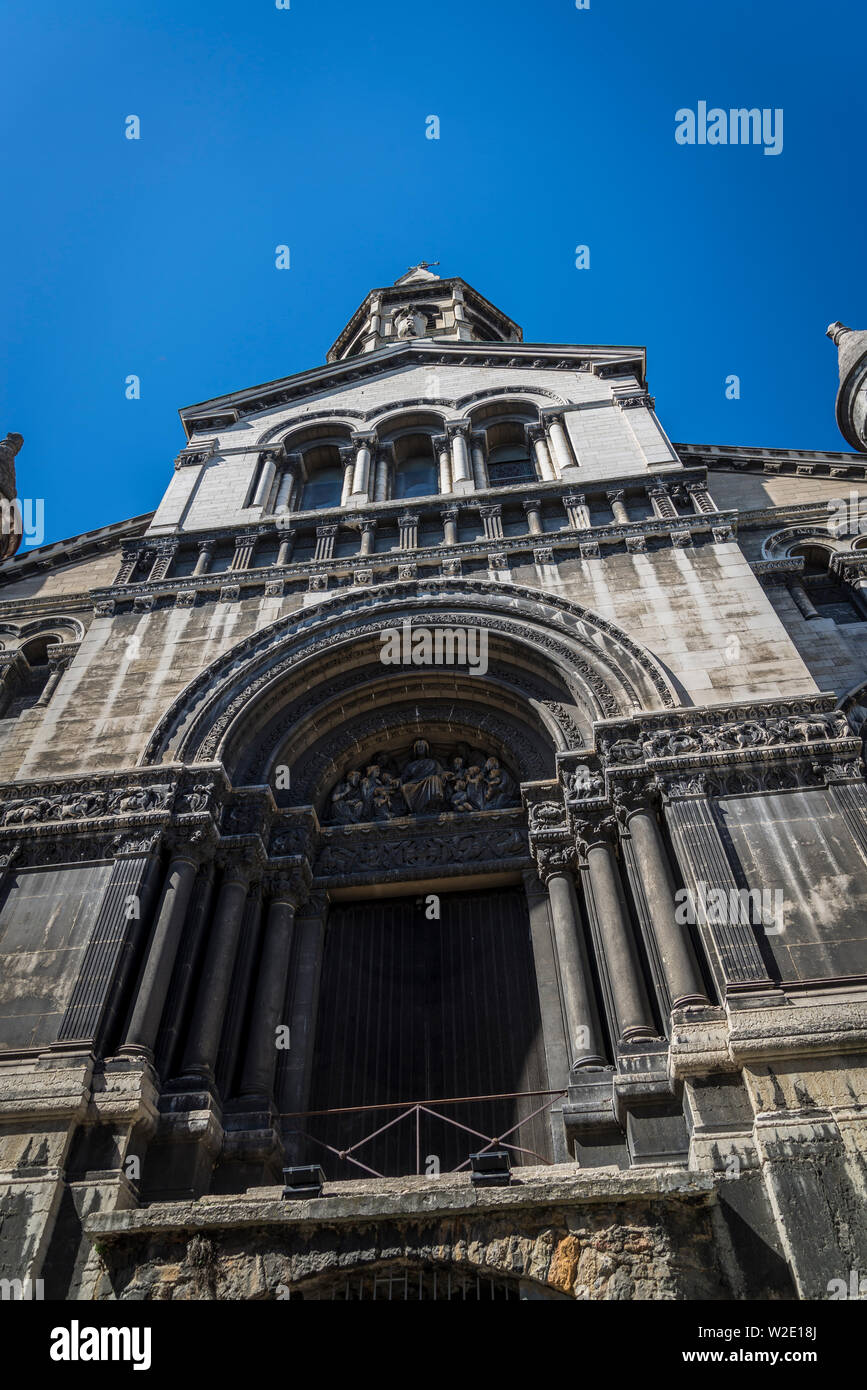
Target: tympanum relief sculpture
464,781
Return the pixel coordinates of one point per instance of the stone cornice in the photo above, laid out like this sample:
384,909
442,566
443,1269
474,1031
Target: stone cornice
221,412
786,462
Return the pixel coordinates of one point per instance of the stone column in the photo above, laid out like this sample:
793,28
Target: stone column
801,598
618,507
165,553
361,475
408,526
381,478
533,508
560,446
441,444
700,497
577,511
450,525
348,474
284,554
60,658
141,1031
661,501
492,521
206,555
203,1039
245,547
480,468
544,464
653,887
325,542
129,563
368,534
302,998
616,948
576,982
462,478
257,1076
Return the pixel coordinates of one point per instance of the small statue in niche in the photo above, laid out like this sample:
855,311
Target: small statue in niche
410,323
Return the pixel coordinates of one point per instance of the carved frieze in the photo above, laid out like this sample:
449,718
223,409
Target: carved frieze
461,780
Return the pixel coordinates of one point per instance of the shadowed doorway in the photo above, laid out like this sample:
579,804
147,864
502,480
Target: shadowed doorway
414,1009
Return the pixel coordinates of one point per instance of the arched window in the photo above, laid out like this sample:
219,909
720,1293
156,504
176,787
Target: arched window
415,469
509,459
323,489
829,595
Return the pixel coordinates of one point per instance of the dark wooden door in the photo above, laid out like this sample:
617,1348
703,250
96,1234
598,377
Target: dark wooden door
412,1009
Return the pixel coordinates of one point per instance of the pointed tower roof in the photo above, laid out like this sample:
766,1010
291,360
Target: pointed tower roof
421,305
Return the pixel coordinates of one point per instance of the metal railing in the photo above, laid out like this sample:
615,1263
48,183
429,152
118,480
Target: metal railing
415,1110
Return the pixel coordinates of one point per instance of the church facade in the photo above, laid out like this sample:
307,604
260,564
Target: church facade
434,844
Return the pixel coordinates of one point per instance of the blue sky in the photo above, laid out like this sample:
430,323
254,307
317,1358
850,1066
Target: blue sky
306,127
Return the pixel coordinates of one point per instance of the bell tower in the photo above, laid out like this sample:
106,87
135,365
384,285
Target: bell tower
421,305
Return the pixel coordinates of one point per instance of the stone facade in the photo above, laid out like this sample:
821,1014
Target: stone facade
631,773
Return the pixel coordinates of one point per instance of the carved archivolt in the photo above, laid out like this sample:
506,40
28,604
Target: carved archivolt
594,653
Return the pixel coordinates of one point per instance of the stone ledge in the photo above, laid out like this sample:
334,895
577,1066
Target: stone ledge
374,1199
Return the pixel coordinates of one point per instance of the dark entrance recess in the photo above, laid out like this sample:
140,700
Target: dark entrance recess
416,1010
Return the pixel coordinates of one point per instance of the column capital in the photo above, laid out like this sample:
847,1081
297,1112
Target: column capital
593,829
449,513
329,529
460,427
364,439
290,886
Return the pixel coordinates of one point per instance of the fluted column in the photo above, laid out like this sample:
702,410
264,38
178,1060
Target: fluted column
165,553
203,1039
700,497
560,447
325,536
245,548
577,511
141,1031
616,947
544,463
257,1076
653,885
576,982
492,521
660,500
408,531
129,565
